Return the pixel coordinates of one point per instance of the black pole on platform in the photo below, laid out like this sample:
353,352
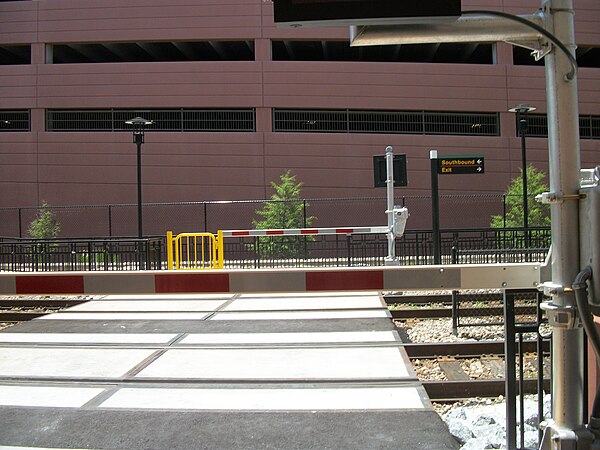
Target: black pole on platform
521,111
435,209
139,123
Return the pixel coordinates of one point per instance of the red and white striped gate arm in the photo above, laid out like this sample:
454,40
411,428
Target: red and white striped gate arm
388,278
306,231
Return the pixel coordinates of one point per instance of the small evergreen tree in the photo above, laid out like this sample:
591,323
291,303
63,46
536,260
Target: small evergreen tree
45,225
285,210
538,213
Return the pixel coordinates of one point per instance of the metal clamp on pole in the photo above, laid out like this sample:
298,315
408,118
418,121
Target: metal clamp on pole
549,198
560,316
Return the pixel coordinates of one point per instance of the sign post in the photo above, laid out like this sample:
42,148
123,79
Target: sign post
448,165
435,209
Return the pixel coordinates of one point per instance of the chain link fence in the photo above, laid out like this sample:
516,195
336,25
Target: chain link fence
456,211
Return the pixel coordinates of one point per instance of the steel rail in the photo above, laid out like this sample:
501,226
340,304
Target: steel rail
453,391
464,348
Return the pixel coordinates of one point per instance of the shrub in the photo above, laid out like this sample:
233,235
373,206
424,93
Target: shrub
45,225
285,210
539,214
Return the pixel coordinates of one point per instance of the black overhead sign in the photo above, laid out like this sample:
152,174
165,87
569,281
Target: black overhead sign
360,12
380,171
460,164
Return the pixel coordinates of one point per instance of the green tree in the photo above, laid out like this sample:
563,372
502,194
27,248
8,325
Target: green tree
285,210
539,214
45,225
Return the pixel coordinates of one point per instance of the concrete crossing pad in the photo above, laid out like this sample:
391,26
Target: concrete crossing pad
328,337
264,399
308,371
298,364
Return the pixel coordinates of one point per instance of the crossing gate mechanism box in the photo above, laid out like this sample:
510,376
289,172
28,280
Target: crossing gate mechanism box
400,218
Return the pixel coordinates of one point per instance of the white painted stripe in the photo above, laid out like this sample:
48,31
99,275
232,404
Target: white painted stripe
301,295
46,396
303,315
290,338
149,305
285,363
145,297
86,338
267,399
69,362
313,303
124,316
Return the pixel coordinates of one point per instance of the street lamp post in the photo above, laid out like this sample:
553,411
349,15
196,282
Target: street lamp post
138,124
521,111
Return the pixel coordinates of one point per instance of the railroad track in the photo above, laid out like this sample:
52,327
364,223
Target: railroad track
440,306
450,359
448,356
27,308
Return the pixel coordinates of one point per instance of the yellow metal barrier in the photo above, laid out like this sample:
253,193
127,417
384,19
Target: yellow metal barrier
195,251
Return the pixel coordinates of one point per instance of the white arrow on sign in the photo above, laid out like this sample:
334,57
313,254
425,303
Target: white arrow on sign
479,161
479,169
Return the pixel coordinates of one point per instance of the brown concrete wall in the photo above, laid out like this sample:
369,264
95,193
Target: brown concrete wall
95,168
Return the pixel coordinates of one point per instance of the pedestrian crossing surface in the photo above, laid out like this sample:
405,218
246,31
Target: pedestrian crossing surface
214,371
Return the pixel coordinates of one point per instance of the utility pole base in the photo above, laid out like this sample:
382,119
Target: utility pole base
556,438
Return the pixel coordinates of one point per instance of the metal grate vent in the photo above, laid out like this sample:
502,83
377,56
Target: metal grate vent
392,122
14,120
164,120
537,126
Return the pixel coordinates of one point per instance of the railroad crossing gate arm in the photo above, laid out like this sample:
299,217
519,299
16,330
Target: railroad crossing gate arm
393,278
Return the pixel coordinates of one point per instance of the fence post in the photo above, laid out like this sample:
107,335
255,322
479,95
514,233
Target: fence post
206,217
510,370
90,255
454,297
107,255
349,246
169,250
110,220
304,212
20,223
220,250
504,210
147,265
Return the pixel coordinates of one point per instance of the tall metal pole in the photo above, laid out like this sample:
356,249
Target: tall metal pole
138,124
139,137
563,142
523,130
389,162
435,208
521,110
557,18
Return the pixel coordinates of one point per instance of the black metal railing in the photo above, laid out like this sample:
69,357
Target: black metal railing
517,327
36,255
459,246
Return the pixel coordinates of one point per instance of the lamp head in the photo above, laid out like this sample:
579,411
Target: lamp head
522,109
138,124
